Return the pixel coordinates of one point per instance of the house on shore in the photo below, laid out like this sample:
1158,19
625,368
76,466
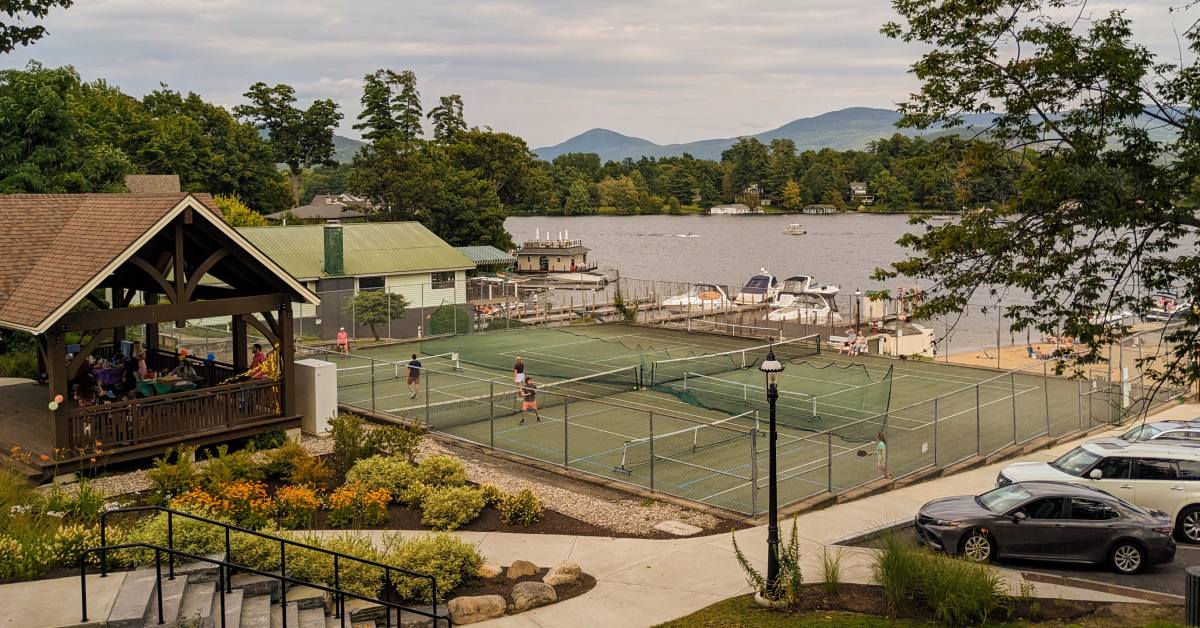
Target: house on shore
735,209
339,261
819,209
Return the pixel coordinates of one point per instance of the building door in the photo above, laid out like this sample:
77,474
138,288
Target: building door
544,263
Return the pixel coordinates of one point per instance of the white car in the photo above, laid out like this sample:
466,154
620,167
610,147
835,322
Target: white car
1162,475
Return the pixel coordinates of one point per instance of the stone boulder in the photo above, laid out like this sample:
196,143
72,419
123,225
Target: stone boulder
520,569
472,609
527,595
563,573
490,572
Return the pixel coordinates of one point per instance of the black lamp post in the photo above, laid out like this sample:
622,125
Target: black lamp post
772,368
858,313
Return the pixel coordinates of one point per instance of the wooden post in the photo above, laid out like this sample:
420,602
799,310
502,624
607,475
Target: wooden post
151,344
240,359
56,368
287,359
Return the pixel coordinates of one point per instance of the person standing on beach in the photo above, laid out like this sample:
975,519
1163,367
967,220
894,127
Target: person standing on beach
529,400
414,376
881,455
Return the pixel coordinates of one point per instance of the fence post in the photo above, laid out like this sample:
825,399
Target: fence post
1079,401
428,385
372,363
651,450
978,447
492,414
1012,382
754,471
566,438
935,431
829,461
1046,393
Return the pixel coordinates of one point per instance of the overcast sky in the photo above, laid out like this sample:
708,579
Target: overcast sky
665,70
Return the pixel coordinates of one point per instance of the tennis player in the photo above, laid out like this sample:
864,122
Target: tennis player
881,455
529,400
414,376
519,376
343,341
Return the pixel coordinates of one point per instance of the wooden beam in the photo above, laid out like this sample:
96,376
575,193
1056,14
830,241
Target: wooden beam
200,272
56,368
153,314
80,358
287,360
97,301
180,267
240,361
267,332
271,322
156,275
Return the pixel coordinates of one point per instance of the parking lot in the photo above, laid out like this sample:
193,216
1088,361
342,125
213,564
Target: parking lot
1168,578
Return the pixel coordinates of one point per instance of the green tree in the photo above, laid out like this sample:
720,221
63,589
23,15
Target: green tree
781,165
375,308
579,200
748,159
793,198
1080,99
23,11
621,193
673,207
236,213
406,106
376,120
298,138
447,118
890,191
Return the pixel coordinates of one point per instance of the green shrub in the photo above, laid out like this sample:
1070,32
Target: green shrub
353,576
254,551
396,440
441,471
226,468
491,494
357,505
349,441
296,506
450,508
790,580
281,461
71,540
171,480
959,592
191,536
450,561
268,440
12,556
82,505
414,494
311,472
19,364
391,473
523,508
897,569
831,570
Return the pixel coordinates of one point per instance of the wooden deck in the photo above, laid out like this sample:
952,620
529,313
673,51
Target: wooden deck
24,418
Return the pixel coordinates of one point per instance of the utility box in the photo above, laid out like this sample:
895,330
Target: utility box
316,394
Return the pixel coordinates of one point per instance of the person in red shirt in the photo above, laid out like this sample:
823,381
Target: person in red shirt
343,341
257,362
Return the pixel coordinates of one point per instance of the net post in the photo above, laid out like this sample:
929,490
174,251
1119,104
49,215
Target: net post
829,461
372,363
428,381
1079,401
935,431
1046,393
754,469
566,422
652,451
977,412
492,414
1012,384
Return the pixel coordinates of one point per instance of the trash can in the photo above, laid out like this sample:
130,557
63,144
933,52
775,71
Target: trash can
1192,597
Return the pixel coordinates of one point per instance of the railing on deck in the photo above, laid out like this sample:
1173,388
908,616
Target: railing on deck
153,418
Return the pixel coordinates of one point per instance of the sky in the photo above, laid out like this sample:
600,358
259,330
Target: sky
665,70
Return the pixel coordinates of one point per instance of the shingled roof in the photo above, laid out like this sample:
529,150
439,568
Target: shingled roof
58,247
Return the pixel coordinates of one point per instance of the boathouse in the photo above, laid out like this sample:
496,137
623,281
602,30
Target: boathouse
553,256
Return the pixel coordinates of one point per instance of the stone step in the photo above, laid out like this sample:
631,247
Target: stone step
196,608
254,584
306,597
336,622
132,601
199,571
312,618
233,609
256,612
293,616
361,611
172,597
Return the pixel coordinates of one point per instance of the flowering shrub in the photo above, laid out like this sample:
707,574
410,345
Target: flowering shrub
70,540
441,471
311,471
358,504
282,461
491,494
11,556
451,508
170,480
228,468
523,508
296,506
244,503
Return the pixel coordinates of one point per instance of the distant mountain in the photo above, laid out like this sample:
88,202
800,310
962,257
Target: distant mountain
344,148
843,129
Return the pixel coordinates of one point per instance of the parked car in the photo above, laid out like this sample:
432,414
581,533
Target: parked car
1182,430
1048,521
1161,474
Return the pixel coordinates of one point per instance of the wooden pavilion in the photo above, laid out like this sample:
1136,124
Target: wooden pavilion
82,272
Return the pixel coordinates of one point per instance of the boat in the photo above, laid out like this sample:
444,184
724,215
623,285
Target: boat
760,288
701,297
1109,317
807,307
1165,306
941,218
803,284
794,229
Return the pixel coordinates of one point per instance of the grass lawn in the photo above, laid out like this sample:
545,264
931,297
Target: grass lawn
741,612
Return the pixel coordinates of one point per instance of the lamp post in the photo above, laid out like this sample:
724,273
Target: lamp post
858,311
772,368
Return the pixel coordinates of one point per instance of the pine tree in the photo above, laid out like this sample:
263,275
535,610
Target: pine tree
376,117
406,105
448,118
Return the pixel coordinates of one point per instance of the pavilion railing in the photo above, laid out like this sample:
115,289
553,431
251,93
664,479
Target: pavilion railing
163,416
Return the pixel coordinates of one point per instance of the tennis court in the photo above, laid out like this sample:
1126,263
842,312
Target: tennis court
686,413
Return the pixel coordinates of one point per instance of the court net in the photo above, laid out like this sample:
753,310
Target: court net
376,370
674,369
640,452
701,326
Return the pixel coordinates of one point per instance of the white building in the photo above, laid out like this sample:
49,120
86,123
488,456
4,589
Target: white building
734,209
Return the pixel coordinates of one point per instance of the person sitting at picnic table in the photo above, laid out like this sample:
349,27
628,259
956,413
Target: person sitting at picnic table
139,354
85,389
185,371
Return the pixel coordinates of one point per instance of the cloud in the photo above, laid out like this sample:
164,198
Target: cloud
666,70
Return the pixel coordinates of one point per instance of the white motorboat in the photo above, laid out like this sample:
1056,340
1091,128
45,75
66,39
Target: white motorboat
811,308
794,229
1165,307
701,297
1110,318
803,284
760,288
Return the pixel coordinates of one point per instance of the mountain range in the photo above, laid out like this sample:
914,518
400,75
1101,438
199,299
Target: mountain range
843,129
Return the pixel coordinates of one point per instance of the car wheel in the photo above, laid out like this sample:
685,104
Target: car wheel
1127,558
1187,526
978,546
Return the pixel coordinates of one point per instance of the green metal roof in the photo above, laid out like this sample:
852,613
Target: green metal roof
369,248
486,255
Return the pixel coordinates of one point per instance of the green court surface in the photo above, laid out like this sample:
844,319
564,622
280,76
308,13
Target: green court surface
604,390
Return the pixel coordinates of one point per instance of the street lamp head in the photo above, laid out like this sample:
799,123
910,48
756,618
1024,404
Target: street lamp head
857,292
771,367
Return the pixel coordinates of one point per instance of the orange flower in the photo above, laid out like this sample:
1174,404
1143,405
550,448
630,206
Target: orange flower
43,457
99,443
92,460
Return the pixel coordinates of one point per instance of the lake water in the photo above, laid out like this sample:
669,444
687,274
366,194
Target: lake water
842,249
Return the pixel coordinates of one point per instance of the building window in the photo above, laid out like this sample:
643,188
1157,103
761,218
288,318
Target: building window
370,283
442,280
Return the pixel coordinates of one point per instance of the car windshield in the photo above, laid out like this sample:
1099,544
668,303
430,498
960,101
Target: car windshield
1075,462
1142,432
1003,498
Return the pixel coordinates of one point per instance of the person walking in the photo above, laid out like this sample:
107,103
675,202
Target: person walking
529,400
414,376
343,341
881,455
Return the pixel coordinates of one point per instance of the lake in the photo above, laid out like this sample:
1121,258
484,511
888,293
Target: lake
842,249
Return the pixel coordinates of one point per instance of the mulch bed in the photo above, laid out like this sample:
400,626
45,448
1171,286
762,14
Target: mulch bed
504,587
403,518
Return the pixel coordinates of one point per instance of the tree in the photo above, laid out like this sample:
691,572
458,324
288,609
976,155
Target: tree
781,165
579,200
13,35
406,106
376,119
793,198
890,191
447,118
673,206
1107,214
236,213
376,307
298,138
621,193
748,159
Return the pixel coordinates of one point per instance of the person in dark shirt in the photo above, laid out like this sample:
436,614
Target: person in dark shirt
529,400
414,376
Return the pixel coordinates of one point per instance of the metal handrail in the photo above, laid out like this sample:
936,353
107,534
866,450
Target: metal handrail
223,568
172,513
